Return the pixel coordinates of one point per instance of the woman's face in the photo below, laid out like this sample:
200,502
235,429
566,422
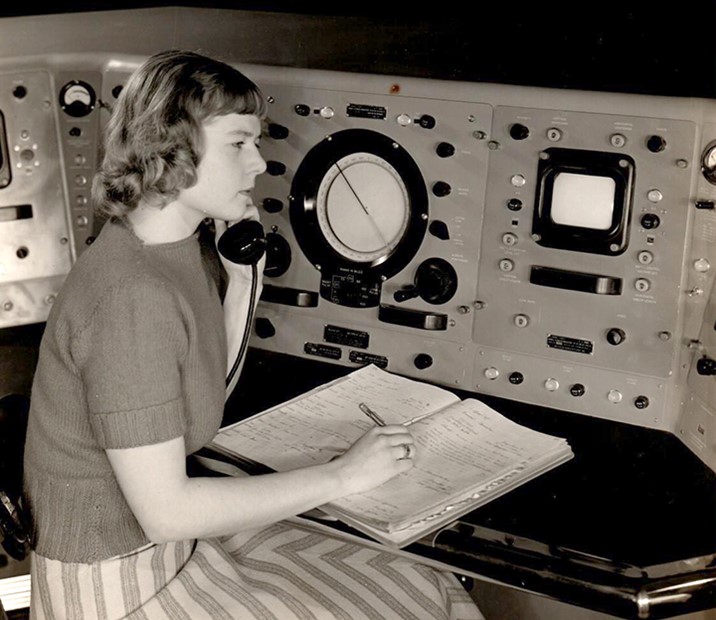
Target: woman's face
228,168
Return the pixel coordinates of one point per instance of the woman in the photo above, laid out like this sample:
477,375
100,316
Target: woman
130,381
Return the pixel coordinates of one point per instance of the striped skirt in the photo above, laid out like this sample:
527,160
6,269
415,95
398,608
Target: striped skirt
284,571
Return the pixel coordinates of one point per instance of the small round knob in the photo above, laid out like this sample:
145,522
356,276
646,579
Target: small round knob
518,131
702,265
521,320
645,257
617,140
614,396
404,120
642,285
426,121
650,221
656,144
277,132
491,373
641,402
302,109
516,378
506,265
551,385
577,390
441,189
518,180
19,92
423,361
445,149
654,195
514,204
615,336
509,239
554,134
327,112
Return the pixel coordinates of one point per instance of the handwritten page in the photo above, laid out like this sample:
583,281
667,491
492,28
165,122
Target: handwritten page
319,425
458,451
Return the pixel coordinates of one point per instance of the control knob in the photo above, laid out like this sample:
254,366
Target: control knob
423,361
706,366
277,132
435,282
615,336
278,255
441,189
445,149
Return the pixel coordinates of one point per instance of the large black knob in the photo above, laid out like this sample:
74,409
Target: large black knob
272,205
615,336
423,361
518,131
656,144
650,221
277,132
275,168
439,229
441,189
426,121
706,366
436,281
445,149
302,109
278,255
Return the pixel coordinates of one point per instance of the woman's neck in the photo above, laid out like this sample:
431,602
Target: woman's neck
162,225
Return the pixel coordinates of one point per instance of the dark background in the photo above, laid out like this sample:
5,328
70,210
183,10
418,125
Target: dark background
617,46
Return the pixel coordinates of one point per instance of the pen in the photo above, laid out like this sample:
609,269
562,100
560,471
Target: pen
371,414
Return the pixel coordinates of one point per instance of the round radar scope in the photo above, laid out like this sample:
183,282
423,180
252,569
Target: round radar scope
359,209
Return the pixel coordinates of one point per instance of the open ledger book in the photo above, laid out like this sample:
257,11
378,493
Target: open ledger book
467,454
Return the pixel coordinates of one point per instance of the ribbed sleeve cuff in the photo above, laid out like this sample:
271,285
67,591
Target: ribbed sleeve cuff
142,427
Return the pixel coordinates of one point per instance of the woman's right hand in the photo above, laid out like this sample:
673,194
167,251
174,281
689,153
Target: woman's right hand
379,455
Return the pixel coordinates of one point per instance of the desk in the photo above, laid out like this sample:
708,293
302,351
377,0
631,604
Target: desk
628,527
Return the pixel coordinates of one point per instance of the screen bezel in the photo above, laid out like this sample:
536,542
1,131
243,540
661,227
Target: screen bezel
612,240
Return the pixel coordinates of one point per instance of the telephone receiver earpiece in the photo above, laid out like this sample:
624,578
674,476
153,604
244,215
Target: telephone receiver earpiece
243,243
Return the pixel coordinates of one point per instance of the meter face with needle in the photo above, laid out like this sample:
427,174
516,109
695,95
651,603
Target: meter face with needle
359,211
362,207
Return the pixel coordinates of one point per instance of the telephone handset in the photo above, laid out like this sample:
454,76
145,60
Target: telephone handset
243,243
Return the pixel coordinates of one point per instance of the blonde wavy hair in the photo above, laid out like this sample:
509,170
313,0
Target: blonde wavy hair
153,142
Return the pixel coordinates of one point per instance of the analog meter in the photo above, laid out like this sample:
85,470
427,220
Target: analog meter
77,98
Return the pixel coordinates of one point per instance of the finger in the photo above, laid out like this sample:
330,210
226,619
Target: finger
393,429
404,452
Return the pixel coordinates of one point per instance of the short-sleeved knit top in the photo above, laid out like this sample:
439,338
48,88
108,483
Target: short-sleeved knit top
134,353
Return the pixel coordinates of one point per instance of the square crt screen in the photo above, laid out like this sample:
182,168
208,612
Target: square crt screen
583,200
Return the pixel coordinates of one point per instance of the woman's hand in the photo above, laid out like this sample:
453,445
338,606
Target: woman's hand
379,455
235,269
